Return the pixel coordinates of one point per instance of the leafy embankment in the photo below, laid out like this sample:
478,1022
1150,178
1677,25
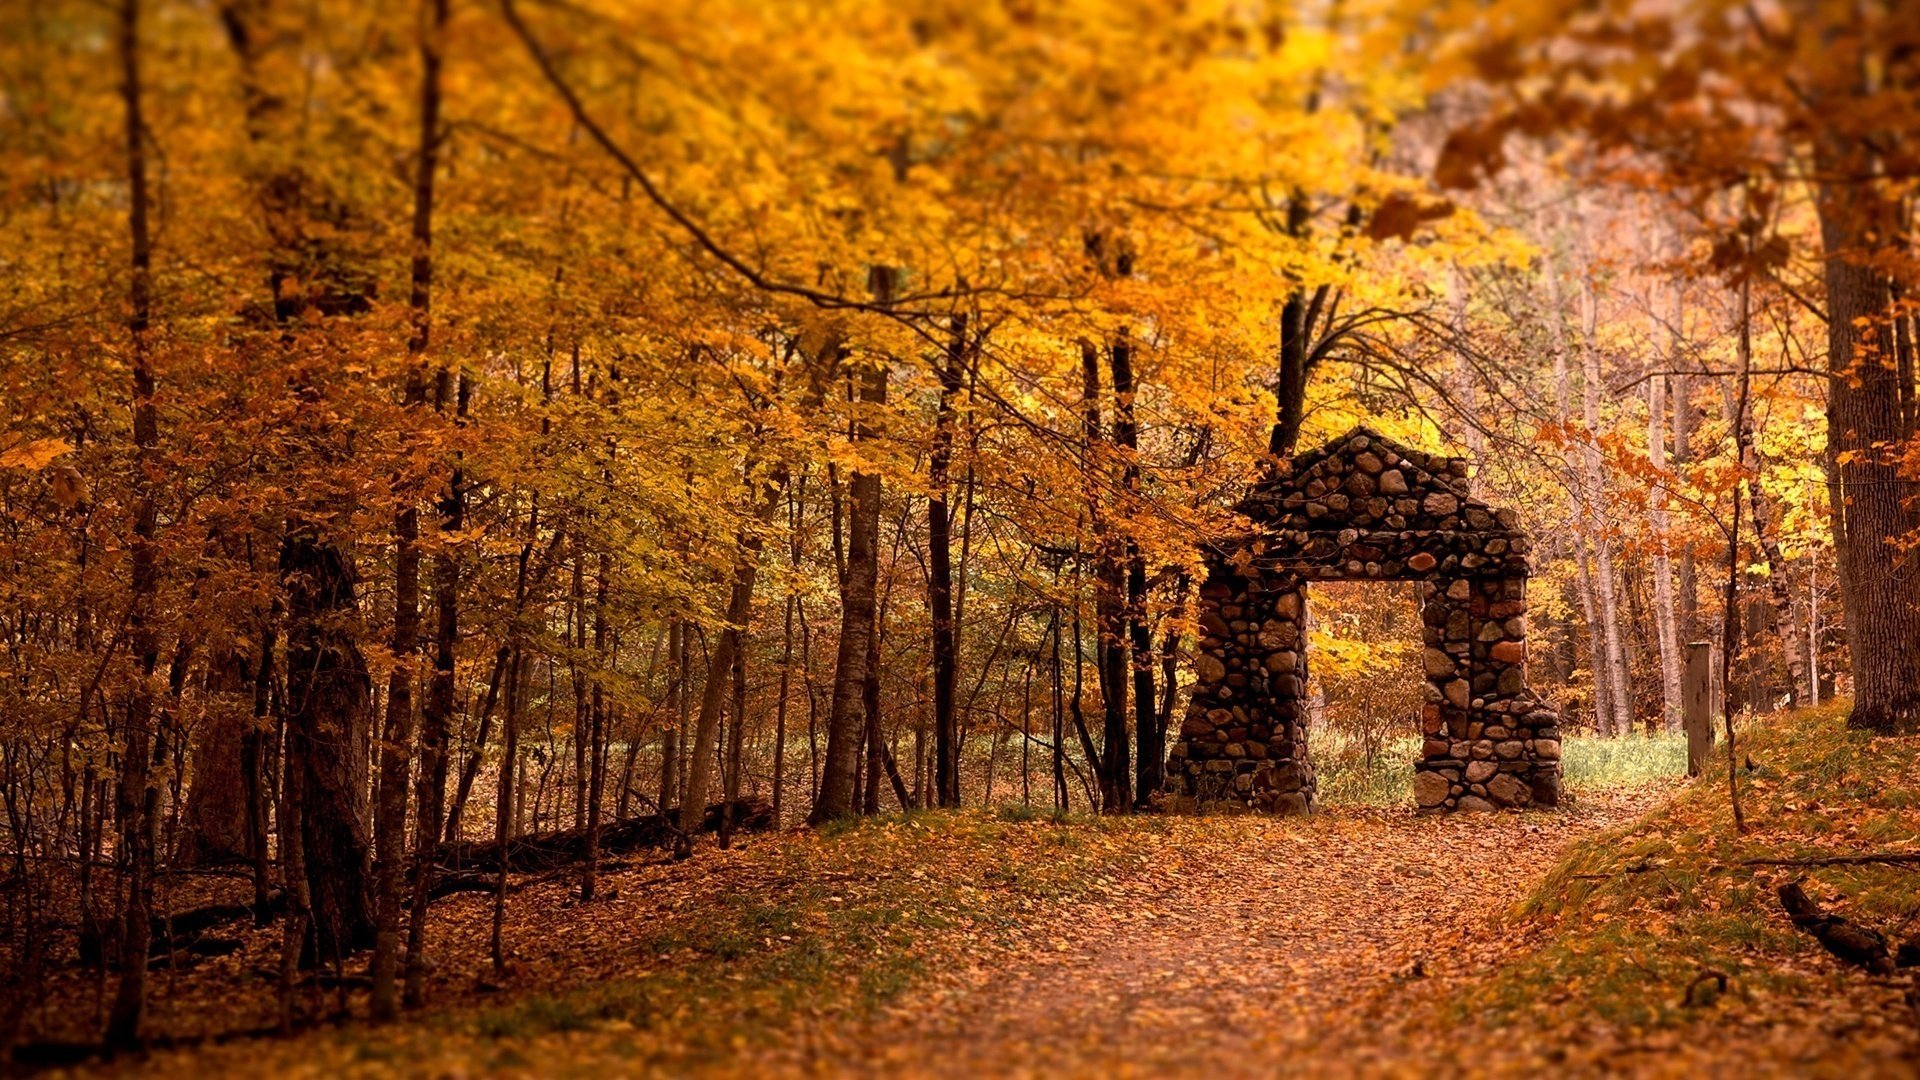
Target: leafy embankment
1666,937
700,963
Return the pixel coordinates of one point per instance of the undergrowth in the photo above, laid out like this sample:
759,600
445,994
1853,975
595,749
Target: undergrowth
855,914
1348,776
1642,922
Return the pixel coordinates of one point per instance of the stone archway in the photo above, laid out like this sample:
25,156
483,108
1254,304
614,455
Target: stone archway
1364,508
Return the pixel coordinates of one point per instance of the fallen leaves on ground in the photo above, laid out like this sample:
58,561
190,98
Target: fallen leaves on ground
1353,942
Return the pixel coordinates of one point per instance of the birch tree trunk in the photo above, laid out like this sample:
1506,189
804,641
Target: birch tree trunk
1577,511
1606,584
1666,625
839,778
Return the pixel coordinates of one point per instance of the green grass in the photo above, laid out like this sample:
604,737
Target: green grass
1589,762
1347,778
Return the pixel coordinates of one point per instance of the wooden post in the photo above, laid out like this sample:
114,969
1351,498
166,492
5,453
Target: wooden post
1696,705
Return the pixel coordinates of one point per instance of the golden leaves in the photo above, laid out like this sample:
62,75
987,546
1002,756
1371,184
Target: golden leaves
34,454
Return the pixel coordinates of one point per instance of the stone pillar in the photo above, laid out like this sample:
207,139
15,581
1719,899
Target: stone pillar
1243,744
1489,740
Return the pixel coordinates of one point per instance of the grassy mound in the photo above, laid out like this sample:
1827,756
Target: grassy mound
1671,926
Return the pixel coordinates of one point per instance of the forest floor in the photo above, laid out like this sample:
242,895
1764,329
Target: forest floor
1353,942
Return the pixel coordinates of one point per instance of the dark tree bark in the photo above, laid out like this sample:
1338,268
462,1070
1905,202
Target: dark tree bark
328,695
396,749
436,720
1873,514
946,761
1109,589
676,713
1150,763
1290,389
213,824
315,271
138,800
597,731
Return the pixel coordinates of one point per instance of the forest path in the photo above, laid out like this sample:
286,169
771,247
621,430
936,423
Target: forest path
1278,948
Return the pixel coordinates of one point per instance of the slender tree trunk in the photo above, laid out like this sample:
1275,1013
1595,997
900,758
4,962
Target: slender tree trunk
736,738
780,710
713,695
253,770
390,830
1606,581
676,714
597,730
1597,657
1686,579
293,869
138,801
1108,602
1666,626
505,811
839,778
946,768
1150,763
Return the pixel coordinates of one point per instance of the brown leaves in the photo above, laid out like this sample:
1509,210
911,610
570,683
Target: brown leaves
1469,154
1398,215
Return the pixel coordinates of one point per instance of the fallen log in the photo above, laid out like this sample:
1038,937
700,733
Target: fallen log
546,851
1859,945
468,864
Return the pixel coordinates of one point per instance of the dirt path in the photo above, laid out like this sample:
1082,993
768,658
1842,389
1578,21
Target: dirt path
1253,956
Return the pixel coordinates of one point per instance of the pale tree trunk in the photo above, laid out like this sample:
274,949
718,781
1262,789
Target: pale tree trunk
1577,511
1666,626
839,778
1686,578
1606,584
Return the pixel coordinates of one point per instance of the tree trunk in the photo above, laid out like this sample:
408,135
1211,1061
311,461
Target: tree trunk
597,730
1150,762
1665,622
713,695
946,762
506,810
676,715
1606,582
1878,587
396,758
214,825
138,800
327,705
845,727
1109,590
1579,518
1686,578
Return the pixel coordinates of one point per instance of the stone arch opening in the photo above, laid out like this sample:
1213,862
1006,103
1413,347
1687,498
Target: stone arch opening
1365,508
